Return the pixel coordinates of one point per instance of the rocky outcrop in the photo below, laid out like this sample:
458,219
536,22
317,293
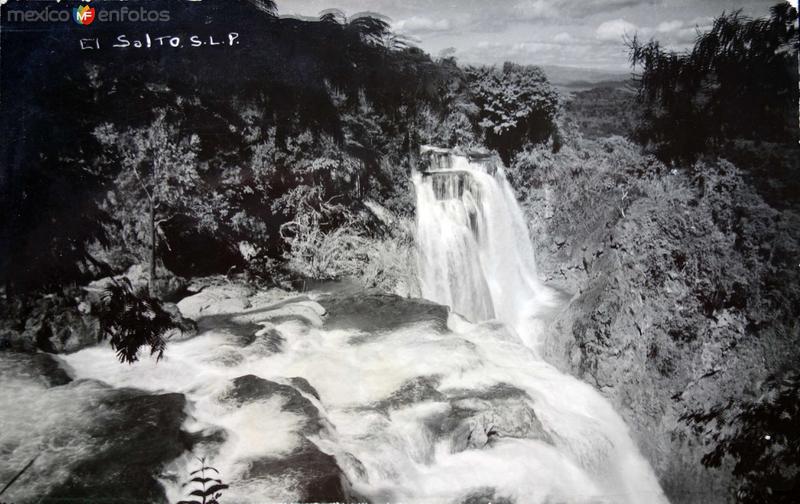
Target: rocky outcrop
316,475
69,320
139,434
376,312
39,367
169,286
54,323
682,292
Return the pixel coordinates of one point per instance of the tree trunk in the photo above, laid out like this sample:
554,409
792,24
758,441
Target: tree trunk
152,277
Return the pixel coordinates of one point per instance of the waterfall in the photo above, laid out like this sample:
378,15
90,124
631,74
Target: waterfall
475,252
475,255
415,404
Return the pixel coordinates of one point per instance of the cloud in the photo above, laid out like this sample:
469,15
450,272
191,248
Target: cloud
563,38
528,10
420,24
669,26
615,30
536,9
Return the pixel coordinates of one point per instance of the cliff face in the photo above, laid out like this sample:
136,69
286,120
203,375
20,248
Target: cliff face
683,289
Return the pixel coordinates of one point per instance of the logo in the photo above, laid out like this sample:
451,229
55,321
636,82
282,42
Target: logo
83,15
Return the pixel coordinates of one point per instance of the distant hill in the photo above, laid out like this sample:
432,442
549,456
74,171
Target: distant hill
603,111
566,75
569,80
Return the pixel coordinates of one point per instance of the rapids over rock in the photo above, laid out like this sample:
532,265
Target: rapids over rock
341,396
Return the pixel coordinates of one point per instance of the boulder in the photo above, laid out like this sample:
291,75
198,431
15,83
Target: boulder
186,327
216,300
485,496
296,309
55,325
302,385
267,341
315,474
140,434
477,418
421,388
168,286
250,388
40,367
375,312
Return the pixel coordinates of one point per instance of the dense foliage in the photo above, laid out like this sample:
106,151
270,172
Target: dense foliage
131,321
687,289
603,111
517,106
762,436
738,82
315,116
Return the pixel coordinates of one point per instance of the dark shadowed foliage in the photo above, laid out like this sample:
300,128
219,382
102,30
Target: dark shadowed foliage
207,490
130,322
762,436
296,105
738,82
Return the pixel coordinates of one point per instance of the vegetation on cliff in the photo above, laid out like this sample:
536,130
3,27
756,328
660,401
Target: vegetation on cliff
291,159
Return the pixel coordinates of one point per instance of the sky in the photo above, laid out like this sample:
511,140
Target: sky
577,33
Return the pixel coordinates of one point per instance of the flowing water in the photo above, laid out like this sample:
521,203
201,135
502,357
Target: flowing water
416,406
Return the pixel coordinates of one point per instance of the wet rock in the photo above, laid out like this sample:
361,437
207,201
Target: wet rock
317,476
421,388
300,309
41,367
267,340
186,327
302,385
381,312
477,418
140,435
216,300
485,496
251,388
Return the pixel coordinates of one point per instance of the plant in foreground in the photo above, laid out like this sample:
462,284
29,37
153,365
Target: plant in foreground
208,489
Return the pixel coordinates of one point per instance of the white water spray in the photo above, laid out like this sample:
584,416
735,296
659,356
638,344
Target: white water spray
476,256
486,420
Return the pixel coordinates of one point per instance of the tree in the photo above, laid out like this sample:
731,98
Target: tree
738,82
517,106
762,438
158,170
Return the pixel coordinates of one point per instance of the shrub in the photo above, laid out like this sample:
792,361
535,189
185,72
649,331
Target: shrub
390,263
130,321
319,253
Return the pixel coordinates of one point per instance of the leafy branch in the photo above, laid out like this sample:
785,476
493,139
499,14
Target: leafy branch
209,490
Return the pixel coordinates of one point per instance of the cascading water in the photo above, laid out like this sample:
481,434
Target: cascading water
475,253
414,405
476,256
